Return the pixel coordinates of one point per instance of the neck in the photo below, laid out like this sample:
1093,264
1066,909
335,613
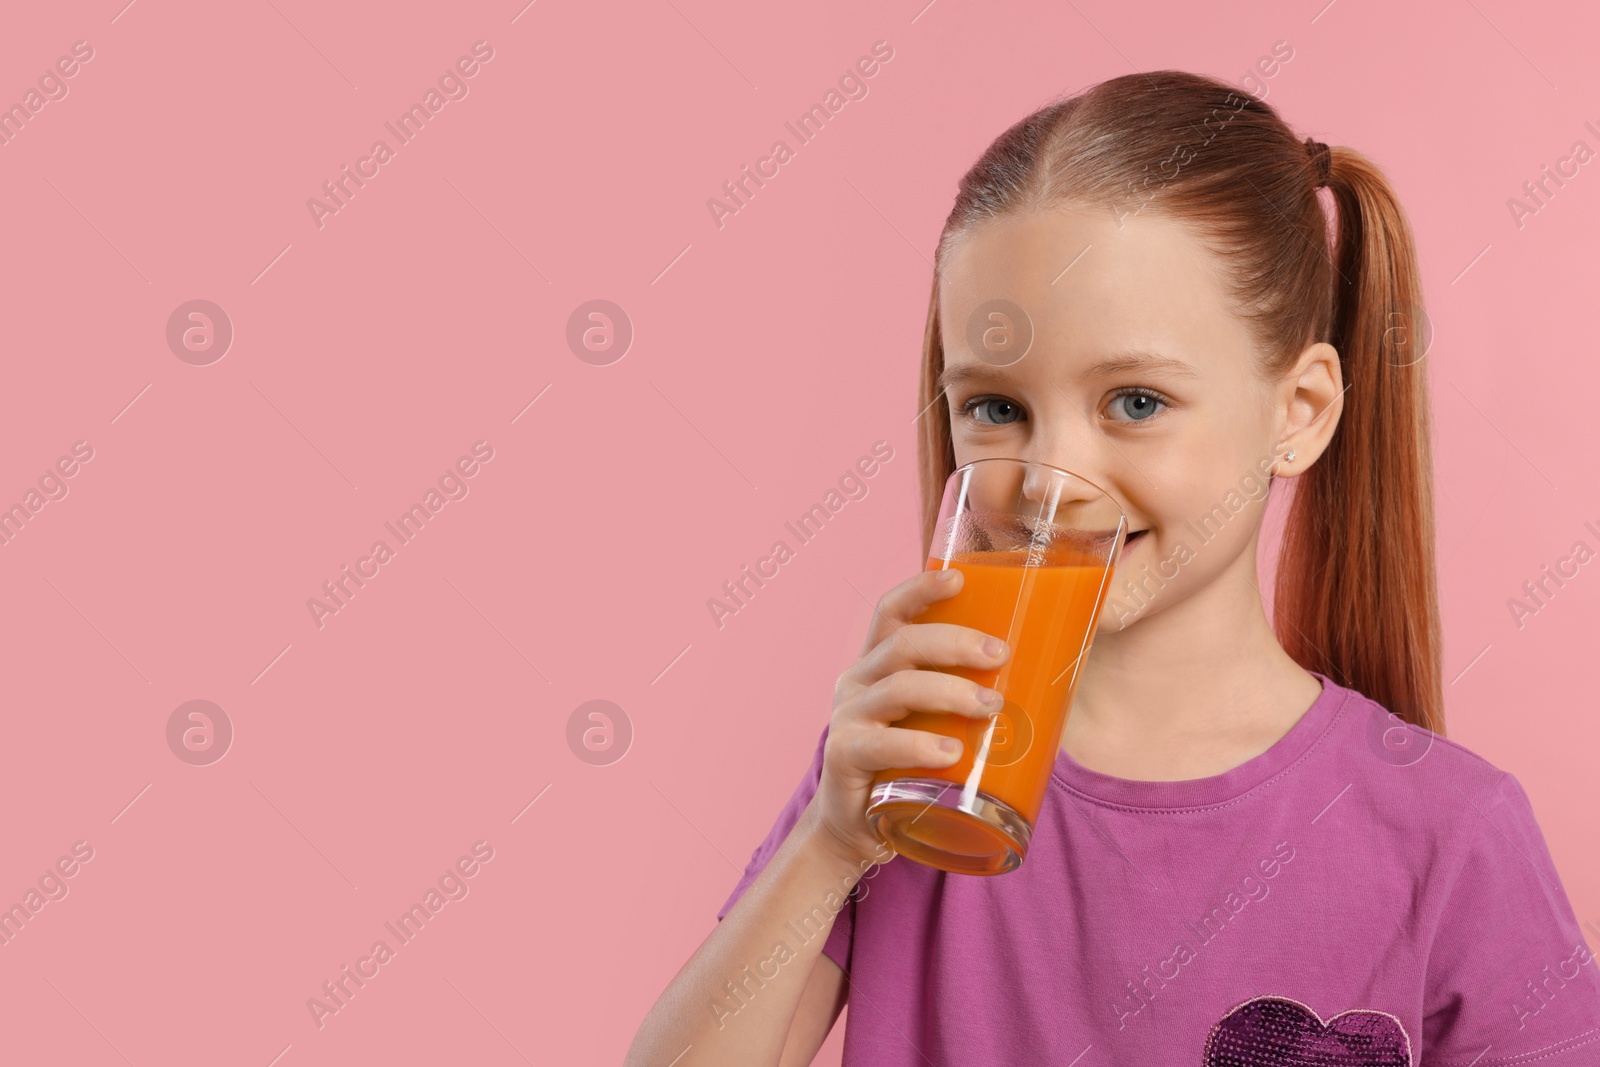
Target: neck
1201,684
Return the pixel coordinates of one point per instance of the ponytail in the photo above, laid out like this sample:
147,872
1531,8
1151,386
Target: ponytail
1356,595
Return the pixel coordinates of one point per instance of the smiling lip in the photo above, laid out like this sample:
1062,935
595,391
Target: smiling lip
1106,538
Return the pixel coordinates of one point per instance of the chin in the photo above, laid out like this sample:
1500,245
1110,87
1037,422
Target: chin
1112,621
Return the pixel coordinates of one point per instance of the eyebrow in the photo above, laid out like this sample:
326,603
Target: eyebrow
1118,364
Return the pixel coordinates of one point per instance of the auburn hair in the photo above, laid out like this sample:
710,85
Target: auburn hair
1355,593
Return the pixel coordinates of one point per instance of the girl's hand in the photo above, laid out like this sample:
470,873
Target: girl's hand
890,679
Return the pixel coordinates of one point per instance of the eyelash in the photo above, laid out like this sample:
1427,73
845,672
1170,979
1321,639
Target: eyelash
1137,390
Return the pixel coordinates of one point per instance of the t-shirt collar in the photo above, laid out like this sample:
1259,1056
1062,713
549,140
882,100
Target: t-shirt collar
1220,788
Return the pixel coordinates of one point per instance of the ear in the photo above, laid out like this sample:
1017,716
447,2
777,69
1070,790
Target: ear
1310,400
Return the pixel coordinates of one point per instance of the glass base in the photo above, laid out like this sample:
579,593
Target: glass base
923,820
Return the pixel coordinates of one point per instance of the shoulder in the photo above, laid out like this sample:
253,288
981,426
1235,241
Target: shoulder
1457,838
1461,823
1403,763
1430,799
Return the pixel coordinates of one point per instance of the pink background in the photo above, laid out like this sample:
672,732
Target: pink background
768,356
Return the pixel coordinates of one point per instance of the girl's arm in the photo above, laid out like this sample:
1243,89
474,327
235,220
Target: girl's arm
752,993
820,1005
773,1021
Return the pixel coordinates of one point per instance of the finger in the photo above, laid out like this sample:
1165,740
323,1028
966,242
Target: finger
908,600
892,697
929,645
871,751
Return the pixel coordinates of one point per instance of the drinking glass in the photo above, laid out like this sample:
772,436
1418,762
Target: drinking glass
1037,546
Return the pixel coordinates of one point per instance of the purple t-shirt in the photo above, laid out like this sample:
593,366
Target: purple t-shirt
1362,893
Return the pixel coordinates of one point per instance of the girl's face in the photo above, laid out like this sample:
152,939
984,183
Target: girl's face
1139,377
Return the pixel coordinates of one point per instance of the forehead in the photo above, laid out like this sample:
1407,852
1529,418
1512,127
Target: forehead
1088,286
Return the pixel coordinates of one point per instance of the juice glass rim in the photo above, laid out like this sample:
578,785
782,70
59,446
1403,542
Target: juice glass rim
1122,512
1047,466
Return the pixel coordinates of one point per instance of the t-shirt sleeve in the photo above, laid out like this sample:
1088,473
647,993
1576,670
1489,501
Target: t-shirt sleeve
837,947
1511,979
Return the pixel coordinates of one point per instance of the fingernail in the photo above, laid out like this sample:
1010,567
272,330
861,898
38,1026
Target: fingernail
987,696
993,646
949,744
948,574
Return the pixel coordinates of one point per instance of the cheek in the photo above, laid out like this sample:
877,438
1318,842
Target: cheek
1198,492
1193,537
1206,532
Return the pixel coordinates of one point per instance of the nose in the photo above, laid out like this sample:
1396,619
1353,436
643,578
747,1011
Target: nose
1065,438
1056,489
1075,507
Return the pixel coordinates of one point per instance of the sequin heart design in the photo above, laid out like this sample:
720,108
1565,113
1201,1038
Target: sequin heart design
1279,1032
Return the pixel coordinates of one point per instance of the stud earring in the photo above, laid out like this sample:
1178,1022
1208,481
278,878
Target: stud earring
1289,455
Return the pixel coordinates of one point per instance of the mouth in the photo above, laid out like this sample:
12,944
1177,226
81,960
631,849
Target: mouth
1128,541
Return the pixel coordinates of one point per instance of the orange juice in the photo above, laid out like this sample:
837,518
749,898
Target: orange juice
1045,613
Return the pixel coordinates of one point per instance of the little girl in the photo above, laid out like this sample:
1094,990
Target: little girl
1257,847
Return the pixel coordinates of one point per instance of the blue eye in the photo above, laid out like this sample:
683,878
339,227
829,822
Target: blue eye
1135,404
1138,404
1001,402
